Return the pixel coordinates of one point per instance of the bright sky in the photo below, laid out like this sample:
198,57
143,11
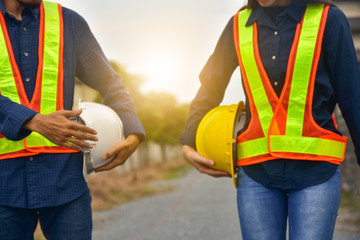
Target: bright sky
167,41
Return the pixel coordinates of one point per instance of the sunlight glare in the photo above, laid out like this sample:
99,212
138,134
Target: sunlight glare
160,72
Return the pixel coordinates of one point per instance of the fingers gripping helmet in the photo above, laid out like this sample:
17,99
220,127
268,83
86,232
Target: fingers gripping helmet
216,137
109,130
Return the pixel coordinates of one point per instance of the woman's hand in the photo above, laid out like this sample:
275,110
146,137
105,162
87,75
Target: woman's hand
122,151
202,164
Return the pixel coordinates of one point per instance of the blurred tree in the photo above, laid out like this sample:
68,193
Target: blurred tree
131,81
163,117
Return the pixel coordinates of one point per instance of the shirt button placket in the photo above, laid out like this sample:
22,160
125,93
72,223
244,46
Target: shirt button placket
276,46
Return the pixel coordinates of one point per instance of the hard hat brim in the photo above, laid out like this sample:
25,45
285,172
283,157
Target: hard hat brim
216,137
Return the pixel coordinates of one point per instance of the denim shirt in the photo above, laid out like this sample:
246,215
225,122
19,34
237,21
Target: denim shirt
337,81
53,179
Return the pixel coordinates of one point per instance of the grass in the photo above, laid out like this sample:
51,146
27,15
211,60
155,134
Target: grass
349,213
110,189
177,171
350,202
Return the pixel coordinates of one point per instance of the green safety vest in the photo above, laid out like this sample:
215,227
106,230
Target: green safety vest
48,96
284,127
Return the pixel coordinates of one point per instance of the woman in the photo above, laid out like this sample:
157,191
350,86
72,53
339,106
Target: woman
302,58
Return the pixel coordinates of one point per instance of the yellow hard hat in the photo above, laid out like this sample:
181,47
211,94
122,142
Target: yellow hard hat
216,137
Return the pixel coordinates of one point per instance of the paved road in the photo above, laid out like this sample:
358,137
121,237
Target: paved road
200,208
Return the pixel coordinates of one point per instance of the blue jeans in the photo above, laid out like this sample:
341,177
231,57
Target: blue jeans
72,220
312,211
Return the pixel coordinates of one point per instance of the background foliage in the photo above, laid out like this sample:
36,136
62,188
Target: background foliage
161,114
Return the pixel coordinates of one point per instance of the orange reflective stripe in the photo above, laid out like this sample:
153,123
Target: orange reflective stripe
50,68
317,55
36,99
302,70
60,82
252,73
253,80
281,125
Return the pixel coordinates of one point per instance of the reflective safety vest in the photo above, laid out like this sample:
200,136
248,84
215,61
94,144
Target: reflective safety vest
48,93
284,127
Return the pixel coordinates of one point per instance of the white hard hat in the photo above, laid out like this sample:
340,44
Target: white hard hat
109,128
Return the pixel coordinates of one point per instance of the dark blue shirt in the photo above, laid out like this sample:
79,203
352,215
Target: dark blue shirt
337,81
52,179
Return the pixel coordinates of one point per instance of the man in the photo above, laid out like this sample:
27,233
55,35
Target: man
43,47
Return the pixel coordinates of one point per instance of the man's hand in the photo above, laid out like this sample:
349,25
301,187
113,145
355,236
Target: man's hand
57,128
122,151
200,163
